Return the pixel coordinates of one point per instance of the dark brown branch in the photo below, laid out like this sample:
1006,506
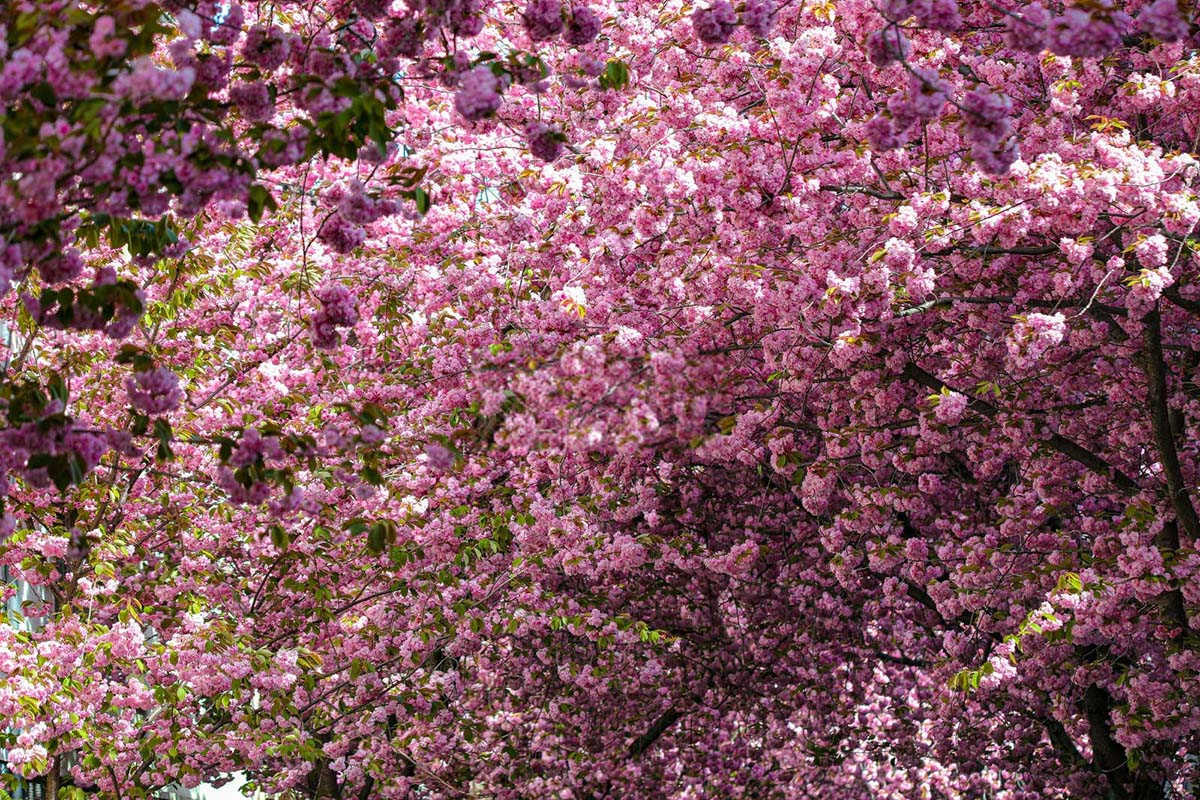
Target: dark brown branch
1160,420
1044,250
1101,311
1172,294
1167,539
660,726
867,190
1056,442
1092,461
1108,754
409,768
903,661
1062,742
1172,601
918,593
365,792
1109,757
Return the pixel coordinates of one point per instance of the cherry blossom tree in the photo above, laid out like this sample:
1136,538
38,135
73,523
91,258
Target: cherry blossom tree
756,400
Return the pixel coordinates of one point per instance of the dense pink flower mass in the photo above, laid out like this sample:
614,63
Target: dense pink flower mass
584,25
449,398
714,24
478,94
543,19
154,391
544,141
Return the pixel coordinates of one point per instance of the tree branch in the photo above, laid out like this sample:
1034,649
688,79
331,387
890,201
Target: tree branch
1056,442
1172,294
1108,755
904,661
867,190
1062,742
1167,539
1160,420
660,726
1044,250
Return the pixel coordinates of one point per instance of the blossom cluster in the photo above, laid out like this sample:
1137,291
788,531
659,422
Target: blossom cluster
715,23
730,456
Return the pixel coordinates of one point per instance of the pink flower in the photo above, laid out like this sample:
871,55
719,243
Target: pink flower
403,37
154,391
266,47
1033,335
950,407
543,19
253,100
1162,20
1028,29
478,94
583,27
545,142
758,16
372,9
927,93
887,46
104,42
439,457
986,114
341,234
715,24
337,303
1076,32
1152,251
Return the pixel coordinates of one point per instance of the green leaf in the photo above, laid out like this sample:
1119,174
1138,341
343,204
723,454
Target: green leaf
71,793
421,197
76,468
58,388
257,200
615,75
139,424
162,432
1070,583
407,177
375,539
280,537
375,411
139,358
44,92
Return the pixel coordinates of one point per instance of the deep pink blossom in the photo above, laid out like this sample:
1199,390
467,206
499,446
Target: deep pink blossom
715,23
478,94
154,391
